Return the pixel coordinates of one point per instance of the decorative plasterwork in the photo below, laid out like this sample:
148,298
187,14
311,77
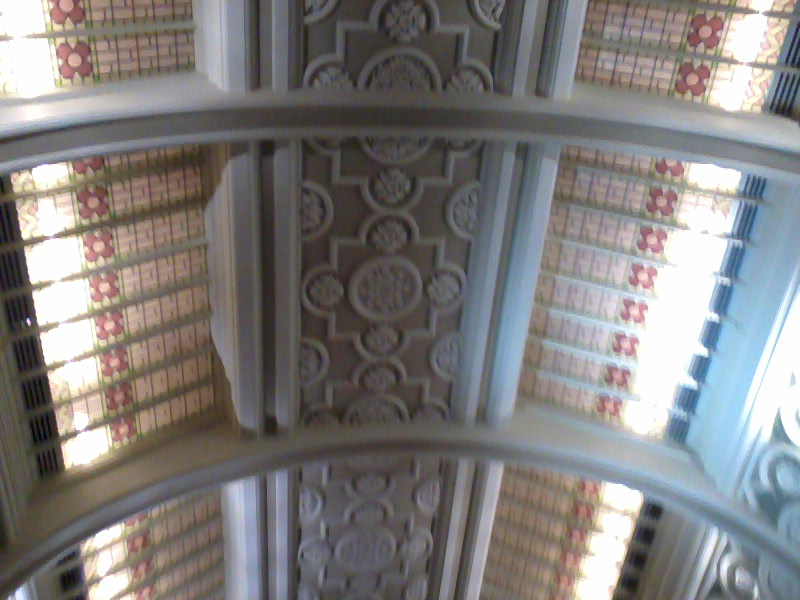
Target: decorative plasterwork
771,487
365,528
387,227
401,45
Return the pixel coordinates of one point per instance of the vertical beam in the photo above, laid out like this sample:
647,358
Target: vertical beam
243,515
226,43
516,303
562,42
521,41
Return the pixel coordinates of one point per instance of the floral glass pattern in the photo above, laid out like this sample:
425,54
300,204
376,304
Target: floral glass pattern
716,53
115,254
72,48
612,333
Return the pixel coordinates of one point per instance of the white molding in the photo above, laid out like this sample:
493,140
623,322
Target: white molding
457,522
533,215
567,41
243,511
730,415
224,48
487,493
233,227
193,111
62,514
497,175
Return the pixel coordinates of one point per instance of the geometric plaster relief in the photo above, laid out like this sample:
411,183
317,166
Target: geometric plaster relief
386,227
772,487
366,527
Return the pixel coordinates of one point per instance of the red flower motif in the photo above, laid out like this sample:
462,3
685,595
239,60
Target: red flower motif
146,593
576,536
661,201
114,361
92,202
123,429
633,311
606,405
583,510
563,581
667,165
98,245
617,376
95,163
103,287
570,558
588,487
691,79
652,239
643,276
705,31
141,569
625,344
135,520
138,542
119,396
74,59
61,10
108,325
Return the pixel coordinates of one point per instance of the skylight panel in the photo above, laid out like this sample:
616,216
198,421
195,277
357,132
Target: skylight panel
631,286
710,53
174,550
106,292
559,536
62,43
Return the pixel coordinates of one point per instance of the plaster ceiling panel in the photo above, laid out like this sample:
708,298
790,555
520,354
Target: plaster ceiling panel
387,228
403,45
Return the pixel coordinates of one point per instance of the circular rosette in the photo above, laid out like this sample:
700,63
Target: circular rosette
417,546
736,578
327,74
444,356
779,472
381,340
310,504
462,210
368,512
316,210
400,69
395,150
365,549
392,189
314,362
314,552
389,234
427,495
379,376
320,416
322,291
445,288
488,12
386,288
405,21
381,409
470,77
370,484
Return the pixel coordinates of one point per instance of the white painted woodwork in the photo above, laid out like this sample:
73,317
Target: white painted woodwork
65,512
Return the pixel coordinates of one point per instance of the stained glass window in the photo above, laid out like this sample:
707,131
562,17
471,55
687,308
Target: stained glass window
51,44
114,249
719,54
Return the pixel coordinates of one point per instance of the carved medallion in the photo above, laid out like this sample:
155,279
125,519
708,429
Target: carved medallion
462,210
386,288
371,484
395,150
444,357
400,69
389,234
322,291
446,288
316,210
313,361
381,340
314,552
487,12
418,545
310,504
405,20
391,188
426,495
330,75
365,549
368,512
382,409
378,377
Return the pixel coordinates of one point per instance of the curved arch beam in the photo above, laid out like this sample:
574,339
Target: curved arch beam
70,511
193,112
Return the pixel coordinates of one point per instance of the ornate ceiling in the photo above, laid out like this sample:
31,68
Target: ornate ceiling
401,278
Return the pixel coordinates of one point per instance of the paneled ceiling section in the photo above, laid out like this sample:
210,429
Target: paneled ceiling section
387,235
